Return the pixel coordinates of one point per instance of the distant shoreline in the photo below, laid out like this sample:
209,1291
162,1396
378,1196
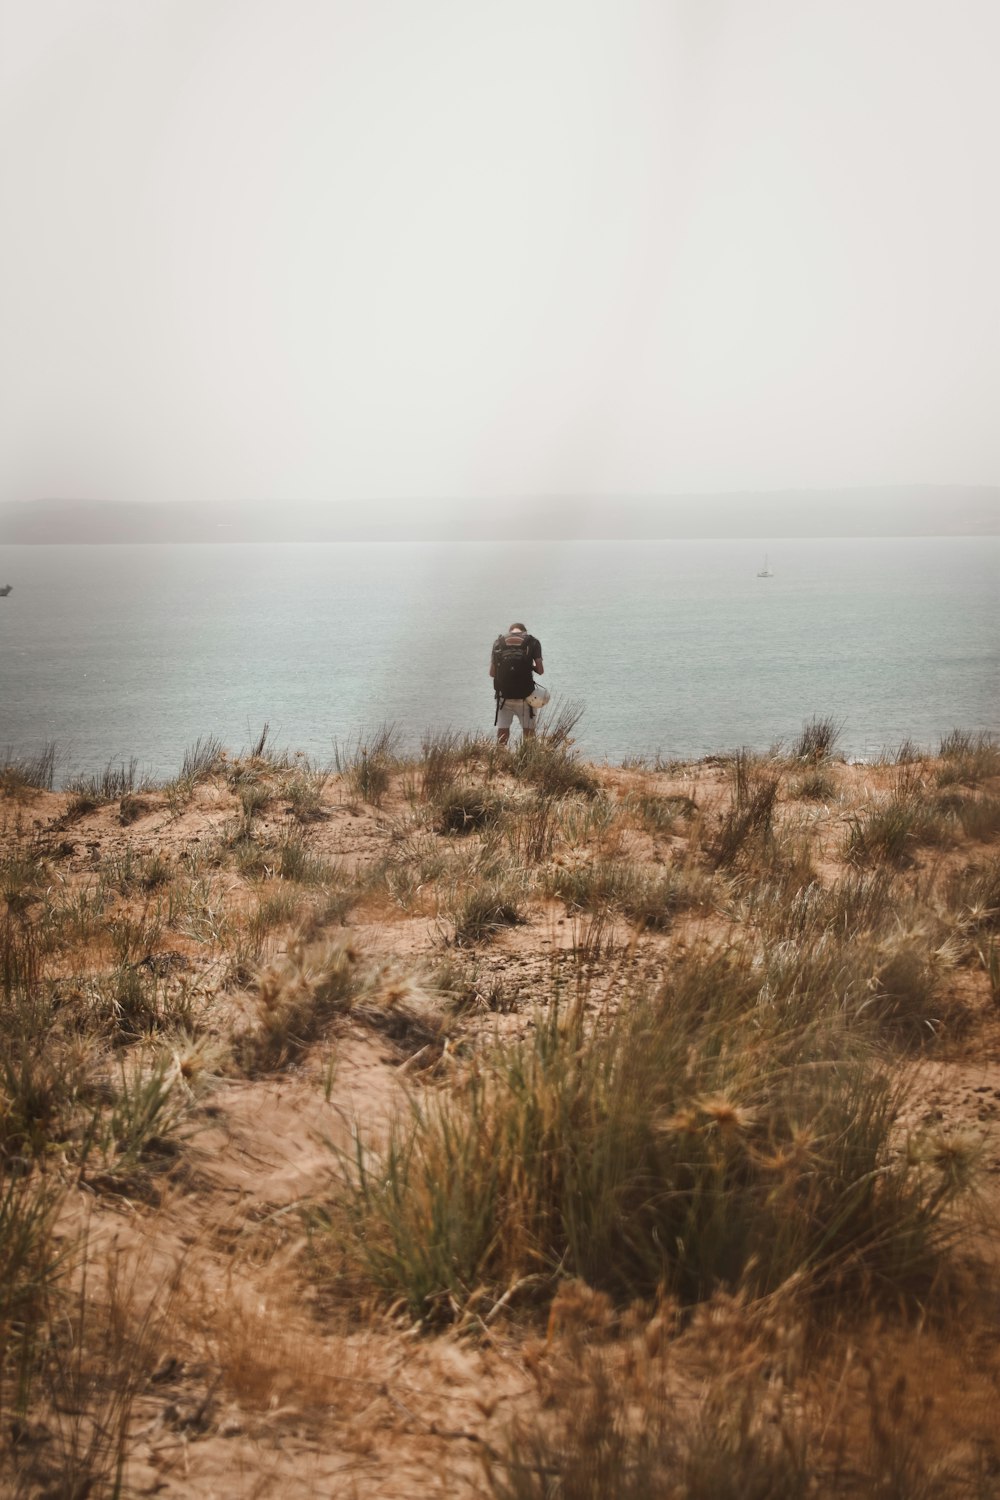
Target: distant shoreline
917,511
496,541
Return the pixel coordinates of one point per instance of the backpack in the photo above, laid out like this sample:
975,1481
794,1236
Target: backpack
512,663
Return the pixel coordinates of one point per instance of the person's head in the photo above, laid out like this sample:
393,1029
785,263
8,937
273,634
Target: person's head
517,625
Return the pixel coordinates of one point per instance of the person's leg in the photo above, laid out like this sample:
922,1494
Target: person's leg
528,721
505,718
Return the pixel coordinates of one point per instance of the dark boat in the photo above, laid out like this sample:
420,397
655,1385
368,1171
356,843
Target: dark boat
5,590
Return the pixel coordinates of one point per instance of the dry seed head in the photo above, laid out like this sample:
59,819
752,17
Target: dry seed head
729,1118
682,1122
977,914
953,1153
791,1156
577,1304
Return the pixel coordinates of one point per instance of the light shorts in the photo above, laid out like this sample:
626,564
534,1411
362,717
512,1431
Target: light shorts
519,709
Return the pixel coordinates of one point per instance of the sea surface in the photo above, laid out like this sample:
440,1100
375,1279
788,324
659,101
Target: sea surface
672,648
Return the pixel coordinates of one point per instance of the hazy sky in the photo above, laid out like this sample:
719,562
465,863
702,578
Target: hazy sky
334,248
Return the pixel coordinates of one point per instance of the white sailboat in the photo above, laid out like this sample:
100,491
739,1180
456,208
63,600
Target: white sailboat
765,571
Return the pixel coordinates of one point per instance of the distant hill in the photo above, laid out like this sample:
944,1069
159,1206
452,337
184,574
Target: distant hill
897,511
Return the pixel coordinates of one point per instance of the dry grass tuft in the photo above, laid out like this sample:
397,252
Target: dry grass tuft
296,999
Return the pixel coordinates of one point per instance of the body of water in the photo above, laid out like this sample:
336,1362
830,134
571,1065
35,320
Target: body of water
675,648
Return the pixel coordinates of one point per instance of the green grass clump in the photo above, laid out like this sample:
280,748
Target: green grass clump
367,763
649,899
461,808
658,813
892,831
818,740
551,767
304,791
815,786
255,798
708,1136
125,1003
294,860
654,900
31,771
968,758
597,884
973,898
201,758
746,830
980,818
111,785
485,907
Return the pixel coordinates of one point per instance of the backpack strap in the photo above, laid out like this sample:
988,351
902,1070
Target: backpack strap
501,700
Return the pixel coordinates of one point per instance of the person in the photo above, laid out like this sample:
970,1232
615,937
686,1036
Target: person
515,656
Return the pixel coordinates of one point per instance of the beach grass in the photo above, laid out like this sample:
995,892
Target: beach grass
650,1084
